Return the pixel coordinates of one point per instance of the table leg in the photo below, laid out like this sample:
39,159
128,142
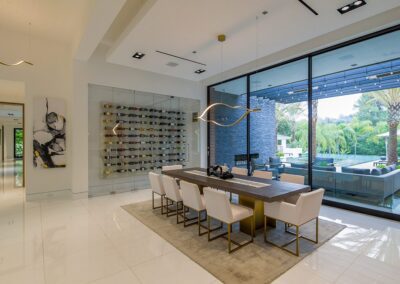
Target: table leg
258,207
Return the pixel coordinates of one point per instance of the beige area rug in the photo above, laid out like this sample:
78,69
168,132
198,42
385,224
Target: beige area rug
255,263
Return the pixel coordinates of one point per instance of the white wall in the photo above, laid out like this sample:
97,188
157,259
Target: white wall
50,76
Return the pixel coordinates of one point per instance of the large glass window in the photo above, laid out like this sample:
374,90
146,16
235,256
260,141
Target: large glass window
342,131
228,145
278,133
356,113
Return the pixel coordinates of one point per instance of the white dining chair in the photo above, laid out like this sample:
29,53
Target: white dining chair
157,188
172,167
219,208
292,178
239,171
262,174
305,210
173,194
194,200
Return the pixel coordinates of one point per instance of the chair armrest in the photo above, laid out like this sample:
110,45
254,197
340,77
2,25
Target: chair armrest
282,211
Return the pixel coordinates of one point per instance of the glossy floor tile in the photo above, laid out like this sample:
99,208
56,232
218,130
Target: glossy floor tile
61,240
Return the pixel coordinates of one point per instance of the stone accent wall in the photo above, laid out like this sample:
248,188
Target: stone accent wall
226,142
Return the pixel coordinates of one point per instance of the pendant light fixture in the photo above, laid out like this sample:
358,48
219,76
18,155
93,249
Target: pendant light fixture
22,61
221,38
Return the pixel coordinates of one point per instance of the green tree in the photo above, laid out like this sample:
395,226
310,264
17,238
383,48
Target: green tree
370,109
390,99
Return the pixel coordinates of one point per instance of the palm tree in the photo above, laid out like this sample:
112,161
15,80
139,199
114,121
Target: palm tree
390,99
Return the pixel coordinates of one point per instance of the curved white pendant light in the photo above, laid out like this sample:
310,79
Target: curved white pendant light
246,113
16,63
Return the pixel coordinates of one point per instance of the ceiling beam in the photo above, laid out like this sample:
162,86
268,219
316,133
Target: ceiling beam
102,16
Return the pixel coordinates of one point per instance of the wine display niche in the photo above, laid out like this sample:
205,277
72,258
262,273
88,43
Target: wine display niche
141,139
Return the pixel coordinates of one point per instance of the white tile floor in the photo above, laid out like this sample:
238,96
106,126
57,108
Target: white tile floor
60,240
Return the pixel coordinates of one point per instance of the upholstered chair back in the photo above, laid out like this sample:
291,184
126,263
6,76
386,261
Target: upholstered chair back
171,188
218,205
191,196
292,178
172,167
262,174
239,171
309,204
156,183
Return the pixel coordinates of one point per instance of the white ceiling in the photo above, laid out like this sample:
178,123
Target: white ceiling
60,20
182,26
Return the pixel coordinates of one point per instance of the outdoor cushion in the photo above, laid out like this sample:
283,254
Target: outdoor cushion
298,165
376,172
392,167
318,161
274,161
355,171
385,170
322,168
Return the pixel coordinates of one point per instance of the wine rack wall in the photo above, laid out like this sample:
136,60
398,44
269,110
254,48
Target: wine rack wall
141,139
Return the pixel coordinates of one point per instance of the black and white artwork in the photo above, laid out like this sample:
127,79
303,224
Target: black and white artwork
49,133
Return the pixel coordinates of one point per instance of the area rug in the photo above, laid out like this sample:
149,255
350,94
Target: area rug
257,262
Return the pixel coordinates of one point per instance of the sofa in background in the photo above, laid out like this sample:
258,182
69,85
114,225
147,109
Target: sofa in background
375,184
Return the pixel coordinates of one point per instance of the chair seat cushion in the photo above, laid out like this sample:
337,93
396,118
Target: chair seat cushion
240,212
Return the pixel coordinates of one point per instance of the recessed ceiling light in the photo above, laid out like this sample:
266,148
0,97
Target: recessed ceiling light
351,6
199,71
172,64
138,55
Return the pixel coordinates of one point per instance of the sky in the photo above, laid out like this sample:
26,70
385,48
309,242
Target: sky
337,106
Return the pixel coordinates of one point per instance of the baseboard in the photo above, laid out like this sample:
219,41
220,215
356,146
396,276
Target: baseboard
49,194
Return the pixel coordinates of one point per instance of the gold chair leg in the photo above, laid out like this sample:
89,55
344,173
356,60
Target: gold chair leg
184,216
198,221
162,204
208,227
229,238
152,199
265,228
252,224
297,240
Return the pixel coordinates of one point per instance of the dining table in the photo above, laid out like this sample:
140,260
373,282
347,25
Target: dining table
252,191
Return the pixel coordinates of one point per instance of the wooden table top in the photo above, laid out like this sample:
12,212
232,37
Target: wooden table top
273,191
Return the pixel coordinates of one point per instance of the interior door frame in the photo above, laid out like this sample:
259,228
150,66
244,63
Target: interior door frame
23,140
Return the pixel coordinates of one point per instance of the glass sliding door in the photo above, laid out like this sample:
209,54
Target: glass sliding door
356,113
331,116
279,132
228,145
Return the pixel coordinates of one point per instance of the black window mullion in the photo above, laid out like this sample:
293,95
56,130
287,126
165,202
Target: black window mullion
309,101
248,123
208,127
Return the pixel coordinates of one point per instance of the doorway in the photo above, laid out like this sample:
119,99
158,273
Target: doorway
12,145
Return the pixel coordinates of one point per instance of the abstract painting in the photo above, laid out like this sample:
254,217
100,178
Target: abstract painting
49,133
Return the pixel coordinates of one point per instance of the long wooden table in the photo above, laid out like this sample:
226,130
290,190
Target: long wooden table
252,191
